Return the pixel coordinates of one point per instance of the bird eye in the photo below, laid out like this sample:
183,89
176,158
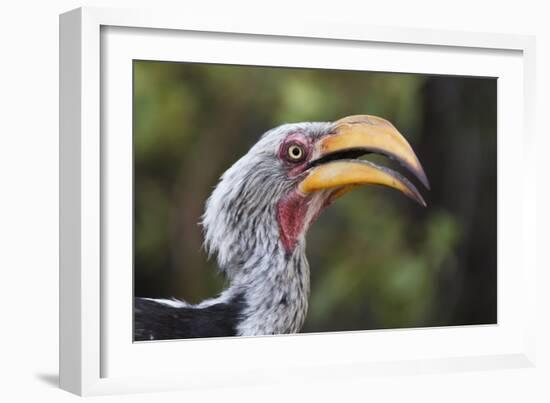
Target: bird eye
295,153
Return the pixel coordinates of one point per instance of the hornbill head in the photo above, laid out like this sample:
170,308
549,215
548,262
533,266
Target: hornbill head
274,192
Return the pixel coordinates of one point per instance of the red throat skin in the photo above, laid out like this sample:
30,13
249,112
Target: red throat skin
292,212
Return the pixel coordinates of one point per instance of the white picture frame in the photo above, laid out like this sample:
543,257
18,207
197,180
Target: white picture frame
96,357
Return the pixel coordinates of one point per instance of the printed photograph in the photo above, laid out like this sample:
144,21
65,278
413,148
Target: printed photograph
273,201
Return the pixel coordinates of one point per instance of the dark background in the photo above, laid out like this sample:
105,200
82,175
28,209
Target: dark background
377,259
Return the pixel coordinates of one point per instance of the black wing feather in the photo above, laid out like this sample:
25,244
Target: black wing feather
157,321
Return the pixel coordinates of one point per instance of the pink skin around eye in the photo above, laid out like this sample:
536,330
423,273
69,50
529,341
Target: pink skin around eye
295,168
292,208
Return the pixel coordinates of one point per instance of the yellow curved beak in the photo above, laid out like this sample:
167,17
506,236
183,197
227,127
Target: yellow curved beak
336,168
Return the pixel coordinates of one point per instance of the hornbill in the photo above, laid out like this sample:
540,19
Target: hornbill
256,219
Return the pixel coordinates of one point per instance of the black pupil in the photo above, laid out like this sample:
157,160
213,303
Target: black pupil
295,151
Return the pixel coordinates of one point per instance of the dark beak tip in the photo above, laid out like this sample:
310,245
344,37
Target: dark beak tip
426,184
421,175
415,195
420,200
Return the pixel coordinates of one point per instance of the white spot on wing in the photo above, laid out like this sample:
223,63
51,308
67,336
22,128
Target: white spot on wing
174,303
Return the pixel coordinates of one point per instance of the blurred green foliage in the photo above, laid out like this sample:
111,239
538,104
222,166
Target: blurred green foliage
377,260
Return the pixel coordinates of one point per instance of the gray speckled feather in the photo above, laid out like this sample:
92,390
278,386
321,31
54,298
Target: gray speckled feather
241,230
